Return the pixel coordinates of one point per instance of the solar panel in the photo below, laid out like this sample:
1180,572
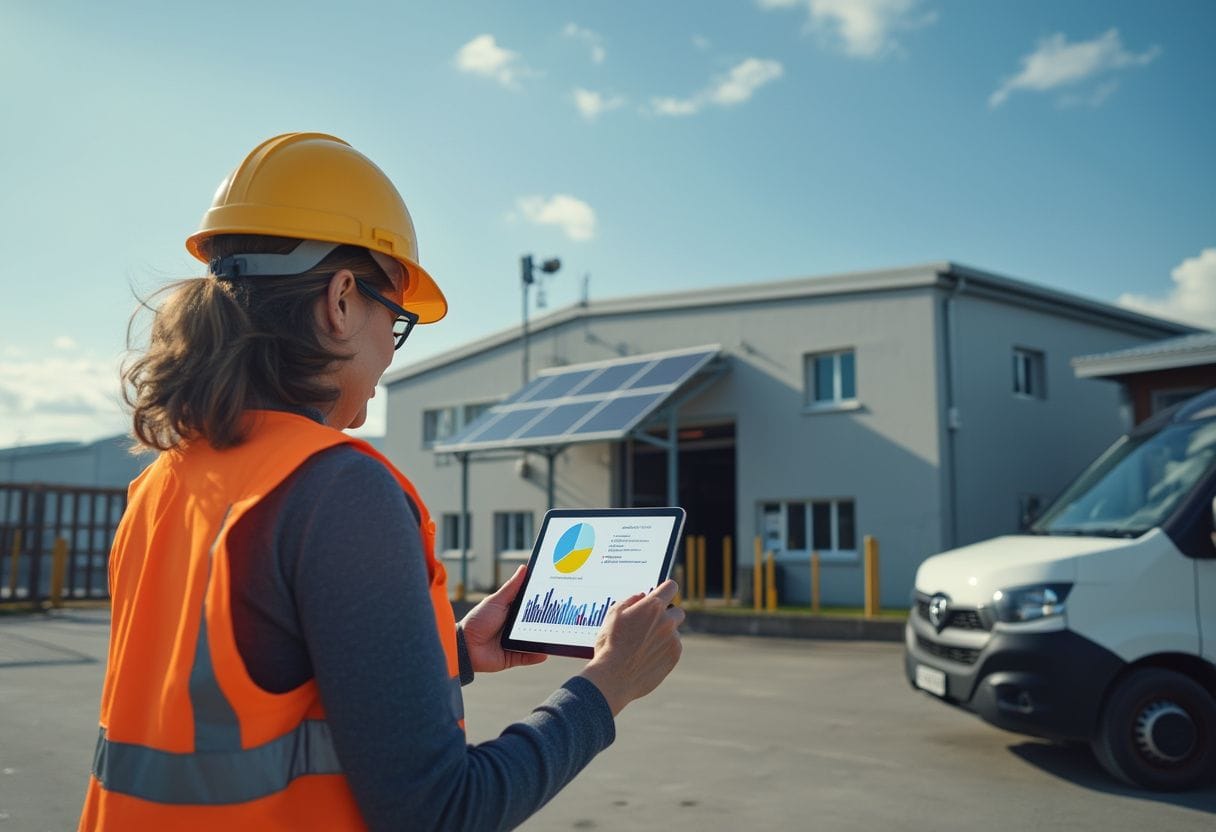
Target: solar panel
581,403
621,413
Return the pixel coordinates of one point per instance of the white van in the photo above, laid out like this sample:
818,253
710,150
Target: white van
1099,623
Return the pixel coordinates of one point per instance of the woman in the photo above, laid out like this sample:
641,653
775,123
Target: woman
283,654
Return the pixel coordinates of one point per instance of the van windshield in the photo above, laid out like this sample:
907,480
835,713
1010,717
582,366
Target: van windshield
1134,485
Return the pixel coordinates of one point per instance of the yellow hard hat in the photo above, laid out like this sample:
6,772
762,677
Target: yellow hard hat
313,186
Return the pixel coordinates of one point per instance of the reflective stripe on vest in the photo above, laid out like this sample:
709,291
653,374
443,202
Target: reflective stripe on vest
208,778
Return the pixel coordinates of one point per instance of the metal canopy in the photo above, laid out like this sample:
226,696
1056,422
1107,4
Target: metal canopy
596,402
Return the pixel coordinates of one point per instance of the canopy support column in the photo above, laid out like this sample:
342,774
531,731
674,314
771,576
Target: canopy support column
463,588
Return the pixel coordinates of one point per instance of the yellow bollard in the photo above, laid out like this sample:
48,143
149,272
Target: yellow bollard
12,565
459,592
814,582
690,568
727,572
59,565
701,568
770,601
756,577
871,576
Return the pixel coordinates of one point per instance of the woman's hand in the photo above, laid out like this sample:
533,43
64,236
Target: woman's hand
483,630
637,647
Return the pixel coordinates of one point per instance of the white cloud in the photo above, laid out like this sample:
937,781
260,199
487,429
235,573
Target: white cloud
675,106
64,342
47,397
1193,298
573,216
701,42
1057,63
483,56
862,28
590,104
743,80
593,40
736,87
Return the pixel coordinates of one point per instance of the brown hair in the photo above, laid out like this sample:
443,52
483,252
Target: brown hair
218,347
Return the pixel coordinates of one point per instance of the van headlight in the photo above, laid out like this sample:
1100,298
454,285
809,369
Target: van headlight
1028,603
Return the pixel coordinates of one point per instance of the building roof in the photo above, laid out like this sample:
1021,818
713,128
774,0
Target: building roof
943,275
1185,351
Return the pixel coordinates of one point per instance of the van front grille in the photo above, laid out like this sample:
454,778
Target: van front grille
962,655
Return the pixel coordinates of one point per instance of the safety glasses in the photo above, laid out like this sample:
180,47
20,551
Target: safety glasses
404,321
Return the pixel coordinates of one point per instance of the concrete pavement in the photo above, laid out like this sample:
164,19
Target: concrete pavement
748,733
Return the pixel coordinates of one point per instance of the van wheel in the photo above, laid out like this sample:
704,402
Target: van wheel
1158,731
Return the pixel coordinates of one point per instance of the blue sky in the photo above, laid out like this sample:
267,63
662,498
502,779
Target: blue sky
653,146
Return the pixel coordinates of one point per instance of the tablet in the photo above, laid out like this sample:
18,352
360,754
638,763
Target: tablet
583,562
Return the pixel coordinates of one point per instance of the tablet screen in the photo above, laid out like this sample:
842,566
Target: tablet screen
583,563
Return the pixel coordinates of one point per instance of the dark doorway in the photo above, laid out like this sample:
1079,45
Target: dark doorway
706,489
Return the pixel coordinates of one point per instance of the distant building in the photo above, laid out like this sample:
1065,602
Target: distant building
929,406
1158,375
105,463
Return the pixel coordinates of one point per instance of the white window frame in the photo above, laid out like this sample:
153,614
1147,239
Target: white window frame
504,549
456,415
838,401
775,534
1029,373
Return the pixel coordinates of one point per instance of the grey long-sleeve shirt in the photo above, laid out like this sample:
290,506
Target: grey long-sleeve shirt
329,581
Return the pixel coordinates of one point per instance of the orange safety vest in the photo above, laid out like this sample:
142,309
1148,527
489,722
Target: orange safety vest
188,740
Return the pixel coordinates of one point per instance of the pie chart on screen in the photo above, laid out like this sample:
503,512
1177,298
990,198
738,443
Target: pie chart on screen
573,548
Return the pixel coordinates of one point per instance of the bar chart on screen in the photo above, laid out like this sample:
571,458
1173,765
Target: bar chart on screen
567,611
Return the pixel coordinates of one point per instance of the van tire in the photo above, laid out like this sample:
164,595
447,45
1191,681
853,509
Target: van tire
1158,731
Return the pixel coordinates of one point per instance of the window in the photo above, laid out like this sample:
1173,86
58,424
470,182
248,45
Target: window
513,531
831,379
1163,399
442,422
451,532
829,526
1029,375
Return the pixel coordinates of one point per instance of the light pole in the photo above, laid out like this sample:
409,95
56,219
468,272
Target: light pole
528,274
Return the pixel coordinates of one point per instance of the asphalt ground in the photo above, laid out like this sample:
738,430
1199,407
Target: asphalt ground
748,733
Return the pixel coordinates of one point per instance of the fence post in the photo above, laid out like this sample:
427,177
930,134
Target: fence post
814,582
756,576
690,568
771,583
726,571
35,549
12,565
701,568
59,562
872,604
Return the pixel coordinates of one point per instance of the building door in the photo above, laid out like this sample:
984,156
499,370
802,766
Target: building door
706,491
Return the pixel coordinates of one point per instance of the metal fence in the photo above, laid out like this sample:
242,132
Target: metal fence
36,520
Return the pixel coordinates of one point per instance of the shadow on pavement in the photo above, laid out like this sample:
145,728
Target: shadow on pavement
1075,763
18,650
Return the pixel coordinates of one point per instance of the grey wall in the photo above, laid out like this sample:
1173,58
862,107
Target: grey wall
1009,444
